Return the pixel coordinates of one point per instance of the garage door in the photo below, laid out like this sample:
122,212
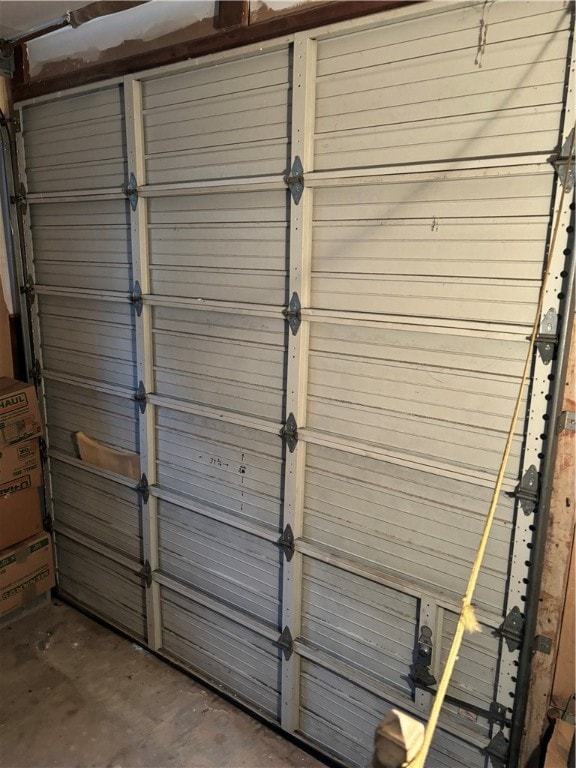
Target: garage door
298,281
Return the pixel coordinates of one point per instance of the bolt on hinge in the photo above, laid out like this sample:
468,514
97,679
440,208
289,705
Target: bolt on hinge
35,373
286,643
143,488
292,313
141,397
512,629
130,189
289,433
286,542
528,489
564,165
294,180
136,298
567,421
28,290
497,750
20,199
547,338
420,671
146,575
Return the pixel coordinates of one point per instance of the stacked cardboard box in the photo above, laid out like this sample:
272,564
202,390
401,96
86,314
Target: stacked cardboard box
26,563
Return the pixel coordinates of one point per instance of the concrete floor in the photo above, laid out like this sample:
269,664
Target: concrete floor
75,694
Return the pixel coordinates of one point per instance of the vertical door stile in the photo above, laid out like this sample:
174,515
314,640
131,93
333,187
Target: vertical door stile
144,358
303,98
33,307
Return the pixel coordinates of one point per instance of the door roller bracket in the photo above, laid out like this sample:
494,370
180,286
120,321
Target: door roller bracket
420,671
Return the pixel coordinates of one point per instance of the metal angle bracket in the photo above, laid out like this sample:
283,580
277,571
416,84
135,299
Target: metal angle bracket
547,338
564,165
141,397
420,671
295,180
143,488
292,313
289,433
286,542
136,298
20,198
497,750
567,421
146,575
130,189
528,489
497,713
286,643
512,629
543,644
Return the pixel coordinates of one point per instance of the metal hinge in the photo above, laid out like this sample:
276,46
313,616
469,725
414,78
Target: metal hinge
143,488
146,575
289,433
567,421
528,489
420,671
543,644
286,542
497,750
547,339
20,198
28,290
295,180
286,642
512,629
141,397
560,162
130,189
136,298
292,313
43,450
35,373
13,121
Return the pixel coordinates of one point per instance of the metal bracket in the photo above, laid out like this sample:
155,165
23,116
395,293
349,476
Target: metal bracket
286,643
35,372
547,339
289,432
295,180
130,189
43,450
512,629
143,488
497,750
28,290
136,298
527,491
567,421
420,671
141,397
286,542
563,164
543,644
20,198
146,575
292,313
497,713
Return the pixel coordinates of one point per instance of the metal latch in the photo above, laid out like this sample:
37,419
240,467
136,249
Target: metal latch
286,643
564,165
292,313
130,189
136,298
143,488
420,670
512,629
295,180
286,542
289,433
547,339
146,575
141,397
497,750
527,491
567,421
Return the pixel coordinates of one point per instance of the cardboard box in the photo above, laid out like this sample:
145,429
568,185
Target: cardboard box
19,412
20,462
20,516
26,571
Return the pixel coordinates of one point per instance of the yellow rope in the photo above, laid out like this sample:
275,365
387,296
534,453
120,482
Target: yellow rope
467,621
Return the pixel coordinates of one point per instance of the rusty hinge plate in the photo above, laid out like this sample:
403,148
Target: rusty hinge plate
286,542
143,488
512,629
141,397
289,433
292,313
